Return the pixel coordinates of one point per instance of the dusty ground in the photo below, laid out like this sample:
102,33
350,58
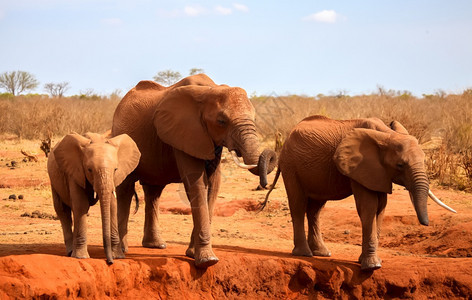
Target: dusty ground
254,248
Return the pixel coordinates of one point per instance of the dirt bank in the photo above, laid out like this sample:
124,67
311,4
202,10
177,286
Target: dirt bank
254,248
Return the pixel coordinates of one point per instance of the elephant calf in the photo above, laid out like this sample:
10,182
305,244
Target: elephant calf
324,159
80,167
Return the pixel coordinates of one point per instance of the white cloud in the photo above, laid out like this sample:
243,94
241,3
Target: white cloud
240,7
193,11
223,10
324,16
112,21
198,10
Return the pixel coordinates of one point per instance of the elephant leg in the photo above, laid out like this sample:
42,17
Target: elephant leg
117,250
64,214
298,206
382,198
214,181
152,237
80,207
192,172
315,239
124,194
367,207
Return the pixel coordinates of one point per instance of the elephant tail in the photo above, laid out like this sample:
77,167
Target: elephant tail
136,199
266,200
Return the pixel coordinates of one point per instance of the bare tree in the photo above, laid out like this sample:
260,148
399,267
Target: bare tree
16,82
167,77
56,89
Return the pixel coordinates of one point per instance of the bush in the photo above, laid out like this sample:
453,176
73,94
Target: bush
445,118
36,118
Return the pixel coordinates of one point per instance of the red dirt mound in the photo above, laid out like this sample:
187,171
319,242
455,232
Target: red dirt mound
241,273
253,247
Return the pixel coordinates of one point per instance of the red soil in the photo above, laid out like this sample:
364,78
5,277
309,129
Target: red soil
254,249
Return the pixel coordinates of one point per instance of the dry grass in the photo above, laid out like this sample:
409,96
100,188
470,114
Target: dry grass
36,118
444,118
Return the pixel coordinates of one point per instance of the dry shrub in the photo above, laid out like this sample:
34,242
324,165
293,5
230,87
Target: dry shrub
447,117
36,118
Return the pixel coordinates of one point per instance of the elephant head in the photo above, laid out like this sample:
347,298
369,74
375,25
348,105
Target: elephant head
196,119
375,159
99,163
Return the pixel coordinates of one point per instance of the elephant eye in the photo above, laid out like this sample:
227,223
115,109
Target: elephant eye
400,166
221,122
90,170
116,169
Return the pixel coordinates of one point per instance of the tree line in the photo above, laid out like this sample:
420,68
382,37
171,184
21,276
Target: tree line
17,82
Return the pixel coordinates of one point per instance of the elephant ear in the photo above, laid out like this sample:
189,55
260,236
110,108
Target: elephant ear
398,127
128,156
178,121
358,156
69,157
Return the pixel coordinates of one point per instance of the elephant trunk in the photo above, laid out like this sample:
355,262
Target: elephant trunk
105,194
259,164
419,195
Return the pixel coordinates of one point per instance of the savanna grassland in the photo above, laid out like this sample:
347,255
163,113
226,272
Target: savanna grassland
441,122
253,247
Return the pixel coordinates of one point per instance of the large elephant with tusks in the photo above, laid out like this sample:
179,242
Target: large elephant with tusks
181,131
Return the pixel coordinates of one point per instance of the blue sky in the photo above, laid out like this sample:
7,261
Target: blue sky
265,47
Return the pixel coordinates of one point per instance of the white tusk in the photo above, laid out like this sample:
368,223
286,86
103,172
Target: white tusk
94,195
439,202
114,193
239,163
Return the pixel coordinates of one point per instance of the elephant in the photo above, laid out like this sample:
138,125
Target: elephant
324,159
83,170
181,131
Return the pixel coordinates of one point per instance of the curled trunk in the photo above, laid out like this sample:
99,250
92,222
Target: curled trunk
265,161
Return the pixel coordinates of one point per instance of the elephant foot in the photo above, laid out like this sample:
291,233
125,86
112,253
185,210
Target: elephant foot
124,245
319,250
154,243
302,251
80,253
370,263
118,252
205,259
323,253
190,252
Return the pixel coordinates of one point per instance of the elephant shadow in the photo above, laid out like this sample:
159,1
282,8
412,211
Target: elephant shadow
323,266
96,251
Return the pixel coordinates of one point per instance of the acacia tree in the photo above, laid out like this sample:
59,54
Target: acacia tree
16,82
167,77
194,71
56,89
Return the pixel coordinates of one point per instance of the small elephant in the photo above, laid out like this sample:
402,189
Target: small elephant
80,167
325,159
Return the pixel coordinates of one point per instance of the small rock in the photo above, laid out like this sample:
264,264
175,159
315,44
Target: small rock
13,197
347,231
25,159
223,230
21,197
13,163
